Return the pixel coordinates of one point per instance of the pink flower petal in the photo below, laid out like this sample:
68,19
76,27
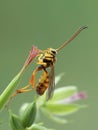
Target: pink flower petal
73,98
33,53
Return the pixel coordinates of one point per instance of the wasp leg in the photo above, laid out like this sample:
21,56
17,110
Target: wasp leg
22,90
41,63
33,77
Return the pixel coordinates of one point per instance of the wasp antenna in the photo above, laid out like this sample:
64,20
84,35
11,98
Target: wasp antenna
72,37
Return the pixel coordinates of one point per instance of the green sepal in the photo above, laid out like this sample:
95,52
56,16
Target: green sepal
62,109
38,127
55,118
58,78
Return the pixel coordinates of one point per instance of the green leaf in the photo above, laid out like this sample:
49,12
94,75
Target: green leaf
62,93
8,91
62,109
28,115
15,122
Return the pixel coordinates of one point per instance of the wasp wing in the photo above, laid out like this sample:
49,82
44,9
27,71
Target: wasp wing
51,83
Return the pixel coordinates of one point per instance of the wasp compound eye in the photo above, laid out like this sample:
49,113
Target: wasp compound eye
53,51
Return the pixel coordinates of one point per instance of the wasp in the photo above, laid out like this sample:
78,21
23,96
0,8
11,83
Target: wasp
46,60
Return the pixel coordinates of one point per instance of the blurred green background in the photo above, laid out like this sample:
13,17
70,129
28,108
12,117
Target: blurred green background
48,23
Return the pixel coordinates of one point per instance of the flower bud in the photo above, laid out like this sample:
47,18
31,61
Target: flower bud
28,115
15,122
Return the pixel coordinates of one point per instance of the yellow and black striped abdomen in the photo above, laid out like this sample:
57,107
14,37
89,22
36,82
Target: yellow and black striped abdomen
43,83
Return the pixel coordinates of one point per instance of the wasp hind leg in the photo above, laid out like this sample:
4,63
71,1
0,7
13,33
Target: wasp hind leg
33,77
31,83
22,90
26,88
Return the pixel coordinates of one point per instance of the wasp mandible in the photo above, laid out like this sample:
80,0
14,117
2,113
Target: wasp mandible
46,59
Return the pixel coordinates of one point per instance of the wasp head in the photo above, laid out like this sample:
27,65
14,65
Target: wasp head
52,51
